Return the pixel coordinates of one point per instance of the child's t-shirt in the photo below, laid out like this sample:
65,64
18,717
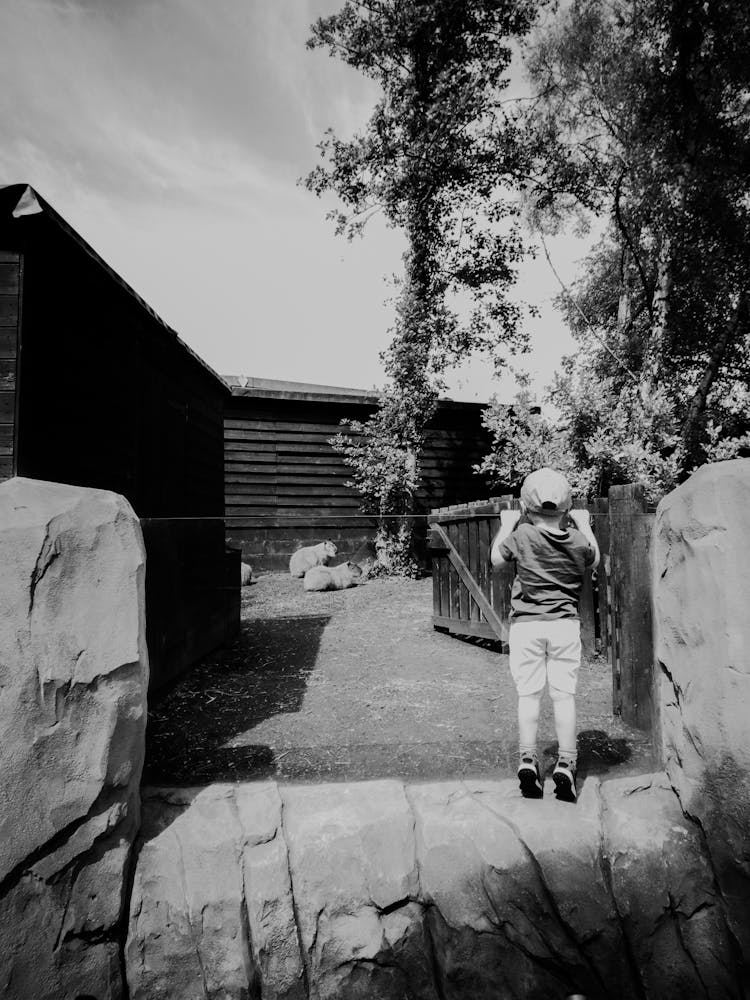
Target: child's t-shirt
549,572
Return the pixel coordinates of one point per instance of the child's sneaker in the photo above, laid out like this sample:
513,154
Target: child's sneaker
529,778
564,777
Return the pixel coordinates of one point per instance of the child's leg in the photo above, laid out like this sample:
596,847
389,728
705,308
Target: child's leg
528,669
564,707
563,661
527,666
528,721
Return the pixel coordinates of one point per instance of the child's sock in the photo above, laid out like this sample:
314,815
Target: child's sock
569,756
528,751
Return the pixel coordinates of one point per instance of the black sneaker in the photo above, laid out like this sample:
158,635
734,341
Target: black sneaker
529,778
564,777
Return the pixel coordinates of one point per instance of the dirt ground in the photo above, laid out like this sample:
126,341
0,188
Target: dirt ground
357,684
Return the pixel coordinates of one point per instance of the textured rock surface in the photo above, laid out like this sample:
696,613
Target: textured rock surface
73,676
451,891
702,618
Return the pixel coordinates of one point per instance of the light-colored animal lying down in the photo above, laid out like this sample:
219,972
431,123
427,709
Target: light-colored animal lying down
246,574
332,577
312,555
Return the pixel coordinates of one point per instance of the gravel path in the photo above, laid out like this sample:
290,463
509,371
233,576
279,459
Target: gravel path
357,684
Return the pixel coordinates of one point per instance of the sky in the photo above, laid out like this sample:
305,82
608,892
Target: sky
171,134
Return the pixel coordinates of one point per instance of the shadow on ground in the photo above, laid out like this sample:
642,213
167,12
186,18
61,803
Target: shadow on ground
264,673
352,685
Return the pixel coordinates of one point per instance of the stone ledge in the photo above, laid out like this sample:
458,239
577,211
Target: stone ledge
447,890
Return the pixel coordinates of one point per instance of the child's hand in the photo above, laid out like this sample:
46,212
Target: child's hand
581,519
509,518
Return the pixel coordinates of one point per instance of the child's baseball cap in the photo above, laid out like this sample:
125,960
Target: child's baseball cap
546,491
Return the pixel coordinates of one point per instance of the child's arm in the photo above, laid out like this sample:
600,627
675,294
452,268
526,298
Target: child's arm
508,520
582,521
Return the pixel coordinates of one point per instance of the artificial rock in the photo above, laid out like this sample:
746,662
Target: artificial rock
73,676
701,574
458,891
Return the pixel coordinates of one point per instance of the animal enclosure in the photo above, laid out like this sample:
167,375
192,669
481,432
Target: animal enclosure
285,485
470,598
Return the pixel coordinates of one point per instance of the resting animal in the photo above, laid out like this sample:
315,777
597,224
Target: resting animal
312,555
246,574
332,577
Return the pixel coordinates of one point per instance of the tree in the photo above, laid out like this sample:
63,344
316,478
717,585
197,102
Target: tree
433,160
643,116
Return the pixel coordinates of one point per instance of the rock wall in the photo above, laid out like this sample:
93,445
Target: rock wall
73,676
702,647
451,891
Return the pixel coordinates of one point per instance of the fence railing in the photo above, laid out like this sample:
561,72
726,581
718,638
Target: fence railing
470,598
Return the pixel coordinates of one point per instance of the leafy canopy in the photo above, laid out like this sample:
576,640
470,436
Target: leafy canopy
434,159
642,116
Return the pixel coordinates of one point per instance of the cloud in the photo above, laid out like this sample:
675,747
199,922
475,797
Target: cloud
165,98
170,134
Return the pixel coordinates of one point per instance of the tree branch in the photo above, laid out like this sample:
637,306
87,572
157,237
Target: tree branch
583,315
700,396
636,256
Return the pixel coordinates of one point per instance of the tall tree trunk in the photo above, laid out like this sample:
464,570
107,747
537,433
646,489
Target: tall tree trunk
662,298
697,407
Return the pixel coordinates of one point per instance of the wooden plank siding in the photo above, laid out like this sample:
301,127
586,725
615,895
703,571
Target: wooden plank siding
110,398
10,314
285,485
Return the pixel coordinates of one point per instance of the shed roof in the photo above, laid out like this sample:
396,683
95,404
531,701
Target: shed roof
18,201
271,388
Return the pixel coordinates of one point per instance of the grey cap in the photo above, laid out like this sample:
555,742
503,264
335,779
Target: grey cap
546,491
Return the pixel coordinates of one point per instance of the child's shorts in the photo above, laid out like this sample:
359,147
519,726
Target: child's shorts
545,651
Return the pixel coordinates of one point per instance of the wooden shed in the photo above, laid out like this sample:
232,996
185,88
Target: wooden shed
96,390
285,485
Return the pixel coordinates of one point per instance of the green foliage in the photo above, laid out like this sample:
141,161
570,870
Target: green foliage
434,159
643,117
605,434
523,440
383,453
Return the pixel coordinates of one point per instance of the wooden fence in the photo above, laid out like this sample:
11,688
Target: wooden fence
470,598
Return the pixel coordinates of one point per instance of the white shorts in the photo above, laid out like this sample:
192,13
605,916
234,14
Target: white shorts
542,652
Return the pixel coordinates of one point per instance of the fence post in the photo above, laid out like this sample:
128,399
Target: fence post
630,576
502,575
600,526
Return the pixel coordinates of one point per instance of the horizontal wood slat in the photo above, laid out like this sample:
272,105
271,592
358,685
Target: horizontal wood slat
8,346
8,309
7,374
300,502
6,439
269,512
9,277
7,407
284,426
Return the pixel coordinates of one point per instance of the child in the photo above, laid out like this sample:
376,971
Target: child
545,630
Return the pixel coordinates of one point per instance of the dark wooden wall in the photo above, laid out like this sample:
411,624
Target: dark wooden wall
10,284
285,485
111,398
